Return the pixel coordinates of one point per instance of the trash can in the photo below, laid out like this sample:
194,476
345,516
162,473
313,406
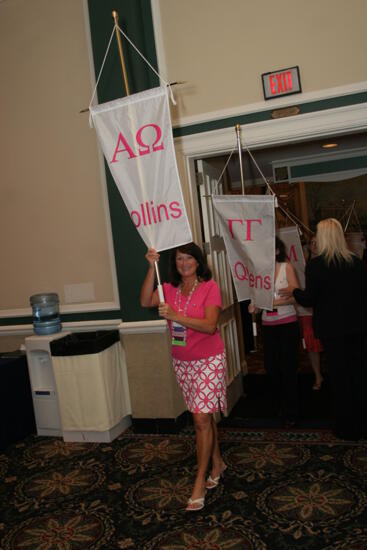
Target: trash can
92,385
16,407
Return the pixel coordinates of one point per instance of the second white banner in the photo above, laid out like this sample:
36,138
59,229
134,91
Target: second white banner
248,227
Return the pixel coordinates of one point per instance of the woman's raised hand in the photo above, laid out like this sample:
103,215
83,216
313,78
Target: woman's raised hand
152,256
166,311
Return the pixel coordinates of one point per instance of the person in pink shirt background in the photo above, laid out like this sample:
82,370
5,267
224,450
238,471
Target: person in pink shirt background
280,337
192,305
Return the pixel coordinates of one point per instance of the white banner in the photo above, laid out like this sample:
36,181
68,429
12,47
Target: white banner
135,134
248,227
292,241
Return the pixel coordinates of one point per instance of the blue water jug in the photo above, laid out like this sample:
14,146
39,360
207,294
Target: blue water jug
46,317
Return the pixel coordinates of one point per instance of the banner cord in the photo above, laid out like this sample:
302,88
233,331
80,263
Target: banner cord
259,169
344,215
141,55
350,211
149,64
292,216
294,219
101,69
351,208
225,166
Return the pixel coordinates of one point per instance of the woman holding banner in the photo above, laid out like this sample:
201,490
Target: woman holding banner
280,335
336,289
192,305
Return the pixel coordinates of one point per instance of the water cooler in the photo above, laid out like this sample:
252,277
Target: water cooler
79,385
44,394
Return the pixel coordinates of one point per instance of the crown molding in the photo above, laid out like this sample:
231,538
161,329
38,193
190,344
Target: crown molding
315,125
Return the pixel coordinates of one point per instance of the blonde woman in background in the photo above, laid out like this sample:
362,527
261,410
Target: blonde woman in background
312,344
336,289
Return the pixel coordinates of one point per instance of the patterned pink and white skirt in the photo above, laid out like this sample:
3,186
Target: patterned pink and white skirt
203,383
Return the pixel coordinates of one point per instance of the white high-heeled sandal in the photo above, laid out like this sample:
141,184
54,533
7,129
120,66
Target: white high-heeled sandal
193,501
213,482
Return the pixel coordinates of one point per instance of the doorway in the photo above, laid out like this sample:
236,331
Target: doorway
309,200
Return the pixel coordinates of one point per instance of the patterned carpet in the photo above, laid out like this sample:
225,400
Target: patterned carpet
282,490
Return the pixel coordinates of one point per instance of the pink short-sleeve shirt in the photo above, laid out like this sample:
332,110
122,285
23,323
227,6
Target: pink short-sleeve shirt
199,345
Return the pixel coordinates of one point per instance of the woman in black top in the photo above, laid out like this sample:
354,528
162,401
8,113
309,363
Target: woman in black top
336,289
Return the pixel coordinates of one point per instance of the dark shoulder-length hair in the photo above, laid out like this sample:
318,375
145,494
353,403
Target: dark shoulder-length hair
203,271
282,254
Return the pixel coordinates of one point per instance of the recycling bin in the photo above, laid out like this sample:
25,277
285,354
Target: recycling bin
92,385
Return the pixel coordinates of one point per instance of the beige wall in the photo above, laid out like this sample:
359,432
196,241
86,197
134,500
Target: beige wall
221,48
53,229
11,343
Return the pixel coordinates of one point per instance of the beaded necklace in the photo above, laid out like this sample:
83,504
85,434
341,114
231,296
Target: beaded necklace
178,297
179,332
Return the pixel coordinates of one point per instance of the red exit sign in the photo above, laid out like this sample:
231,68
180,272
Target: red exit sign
283,82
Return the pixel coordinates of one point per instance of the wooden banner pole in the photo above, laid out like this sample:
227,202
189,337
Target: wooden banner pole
121,53
239,146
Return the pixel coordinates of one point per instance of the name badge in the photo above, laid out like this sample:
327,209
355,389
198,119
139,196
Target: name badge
272,313
178,334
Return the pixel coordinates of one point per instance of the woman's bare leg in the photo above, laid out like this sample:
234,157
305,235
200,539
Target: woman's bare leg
218,464
315,364
204,446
